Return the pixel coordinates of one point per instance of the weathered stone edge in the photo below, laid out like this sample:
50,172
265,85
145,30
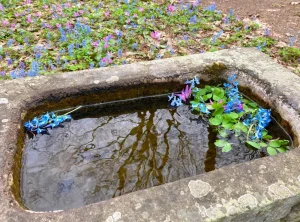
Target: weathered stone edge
225,194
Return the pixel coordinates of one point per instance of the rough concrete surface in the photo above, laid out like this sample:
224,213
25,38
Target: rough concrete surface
266,189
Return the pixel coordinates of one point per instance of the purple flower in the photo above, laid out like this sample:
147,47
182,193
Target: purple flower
185,93
9,61
107,38
96,43
107,13
171,8
118,32
29,19
5,22
156,35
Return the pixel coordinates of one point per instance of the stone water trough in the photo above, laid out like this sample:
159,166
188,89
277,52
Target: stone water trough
265,189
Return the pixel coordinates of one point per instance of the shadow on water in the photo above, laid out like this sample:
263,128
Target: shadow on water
141,143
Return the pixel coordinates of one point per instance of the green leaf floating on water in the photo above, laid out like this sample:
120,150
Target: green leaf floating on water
275,143
281,150
263,144
217,120
253,144
220,143
240,127
233,115
271,151
226,147
223,133
218,94
218,111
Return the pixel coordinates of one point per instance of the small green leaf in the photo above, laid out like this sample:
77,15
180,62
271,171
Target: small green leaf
240,127
216,98
253,144
209,95
227,125
233,115
208,88
217,120
201,92
284,142
217,105
218,111
271,151
223,133
267,137
275,143
281,150
253,105
227,148
263,144
220,143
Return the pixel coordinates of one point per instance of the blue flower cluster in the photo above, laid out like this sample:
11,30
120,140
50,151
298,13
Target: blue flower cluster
261,120
192,82
19,73
41,124
232,92
78,32
175,101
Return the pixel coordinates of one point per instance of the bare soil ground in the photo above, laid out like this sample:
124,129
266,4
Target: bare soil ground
281,16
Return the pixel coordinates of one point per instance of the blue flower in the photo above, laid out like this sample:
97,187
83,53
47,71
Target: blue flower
267,32
192,82
193,19
220,33
48,120
234,97
292,40
211,7
134,46
261,120
120,53
171,97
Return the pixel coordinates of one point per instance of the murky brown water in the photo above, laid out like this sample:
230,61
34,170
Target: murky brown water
140,144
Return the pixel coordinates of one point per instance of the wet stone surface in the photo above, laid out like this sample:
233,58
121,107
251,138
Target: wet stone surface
93,159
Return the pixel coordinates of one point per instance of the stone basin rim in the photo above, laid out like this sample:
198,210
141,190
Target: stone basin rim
201,195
